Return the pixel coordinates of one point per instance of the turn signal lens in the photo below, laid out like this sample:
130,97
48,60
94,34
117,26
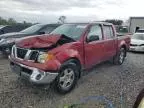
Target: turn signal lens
43,57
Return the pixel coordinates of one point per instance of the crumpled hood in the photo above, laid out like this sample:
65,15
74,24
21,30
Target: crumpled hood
12,35
40,41
137,42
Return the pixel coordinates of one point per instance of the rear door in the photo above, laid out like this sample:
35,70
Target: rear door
94,51
110,44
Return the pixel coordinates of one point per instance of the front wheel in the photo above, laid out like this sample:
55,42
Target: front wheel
120,57
67,78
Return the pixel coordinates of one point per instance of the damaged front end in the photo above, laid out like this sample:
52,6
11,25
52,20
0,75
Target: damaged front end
29,58
30,49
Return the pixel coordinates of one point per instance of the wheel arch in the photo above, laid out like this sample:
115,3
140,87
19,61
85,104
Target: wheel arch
124,46
75,61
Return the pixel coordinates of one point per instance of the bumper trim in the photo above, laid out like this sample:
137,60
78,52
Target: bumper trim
138,49
37,76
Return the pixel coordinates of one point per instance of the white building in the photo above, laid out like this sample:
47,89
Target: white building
136,23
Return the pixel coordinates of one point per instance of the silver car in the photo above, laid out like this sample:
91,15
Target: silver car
137,42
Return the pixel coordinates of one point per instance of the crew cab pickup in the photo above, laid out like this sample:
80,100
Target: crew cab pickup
60,56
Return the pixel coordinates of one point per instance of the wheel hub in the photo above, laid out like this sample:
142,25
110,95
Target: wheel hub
67,78
121,57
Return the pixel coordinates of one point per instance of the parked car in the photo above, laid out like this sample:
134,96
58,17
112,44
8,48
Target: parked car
61,56
137,42
8,40
140,31
11,28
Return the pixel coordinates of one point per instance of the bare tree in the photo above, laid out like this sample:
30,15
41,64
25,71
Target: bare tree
62,19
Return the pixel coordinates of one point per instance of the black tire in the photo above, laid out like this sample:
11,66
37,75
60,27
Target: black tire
120,57
58,83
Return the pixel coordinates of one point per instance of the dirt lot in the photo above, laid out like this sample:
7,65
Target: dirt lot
103,80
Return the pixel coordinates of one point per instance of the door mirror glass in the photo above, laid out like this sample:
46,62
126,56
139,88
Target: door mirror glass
93,38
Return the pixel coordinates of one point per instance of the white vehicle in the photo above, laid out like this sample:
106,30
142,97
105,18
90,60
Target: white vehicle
137,42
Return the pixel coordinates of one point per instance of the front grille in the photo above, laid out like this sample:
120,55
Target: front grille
24,54
133,45
33,55
13,51
21,53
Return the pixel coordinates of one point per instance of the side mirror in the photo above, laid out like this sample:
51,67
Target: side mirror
93,38
41,32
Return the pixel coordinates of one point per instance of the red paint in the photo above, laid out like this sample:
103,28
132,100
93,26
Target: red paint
87,53
39,41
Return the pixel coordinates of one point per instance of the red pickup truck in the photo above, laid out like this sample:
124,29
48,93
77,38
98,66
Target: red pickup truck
60,56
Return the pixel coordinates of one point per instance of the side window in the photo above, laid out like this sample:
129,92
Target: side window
112,32
108,32
95,33
48,29
7,29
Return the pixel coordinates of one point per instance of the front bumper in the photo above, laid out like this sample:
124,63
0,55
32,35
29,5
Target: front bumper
137,48
34,75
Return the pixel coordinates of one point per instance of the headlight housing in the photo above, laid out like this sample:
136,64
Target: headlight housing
44,57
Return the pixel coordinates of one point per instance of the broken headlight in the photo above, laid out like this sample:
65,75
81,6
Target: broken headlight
44,57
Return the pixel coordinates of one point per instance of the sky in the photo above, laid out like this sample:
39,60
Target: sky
48,11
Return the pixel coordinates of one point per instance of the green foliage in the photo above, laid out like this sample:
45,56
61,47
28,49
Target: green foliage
12,21
3,21
114,21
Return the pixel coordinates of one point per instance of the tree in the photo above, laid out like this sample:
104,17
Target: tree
3,21
11,21
62,19
114,21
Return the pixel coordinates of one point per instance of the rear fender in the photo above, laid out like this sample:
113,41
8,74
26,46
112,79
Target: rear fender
122,44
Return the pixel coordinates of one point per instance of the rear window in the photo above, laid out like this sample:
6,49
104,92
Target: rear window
33,28
108,31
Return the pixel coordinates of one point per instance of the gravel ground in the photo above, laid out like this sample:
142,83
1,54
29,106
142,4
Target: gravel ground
103,80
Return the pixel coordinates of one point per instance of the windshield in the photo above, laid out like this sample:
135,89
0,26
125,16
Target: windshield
73,31
33,28
138,36
2,27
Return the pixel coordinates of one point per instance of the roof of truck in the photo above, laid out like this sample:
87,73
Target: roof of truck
95,22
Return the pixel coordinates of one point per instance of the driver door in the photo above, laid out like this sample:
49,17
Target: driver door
94,51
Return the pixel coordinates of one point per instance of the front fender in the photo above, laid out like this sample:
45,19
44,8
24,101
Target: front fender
68,54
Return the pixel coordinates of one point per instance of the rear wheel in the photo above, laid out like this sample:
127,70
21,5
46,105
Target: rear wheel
120,57
67,78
